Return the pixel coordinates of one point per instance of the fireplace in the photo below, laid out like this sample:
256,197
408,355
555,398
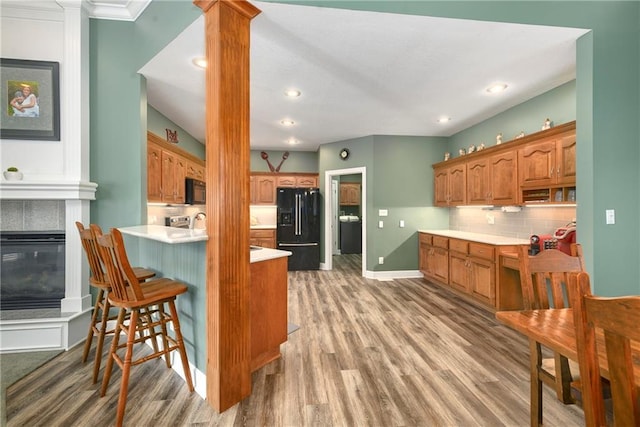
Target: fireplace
33,269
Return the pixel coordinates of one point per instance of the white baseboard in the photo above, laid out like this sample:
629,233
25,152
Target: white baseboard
391,275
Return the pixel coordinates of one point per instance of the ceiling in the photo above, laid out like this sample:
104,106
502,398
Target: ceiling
366,73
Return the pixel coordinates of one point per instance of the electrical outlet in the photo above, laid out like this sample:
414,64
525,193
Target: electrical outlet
491,219
383,212
402,223
380,224
380,260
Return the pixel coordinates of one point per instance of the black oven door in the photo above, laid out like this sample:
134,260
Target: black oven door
195,192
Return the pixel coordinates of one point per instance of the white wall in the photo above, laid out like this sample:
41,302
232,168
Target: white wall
35,35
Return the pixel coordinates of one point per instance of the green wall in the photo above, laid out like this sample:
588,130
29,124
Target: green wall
158,123
607,111
298,161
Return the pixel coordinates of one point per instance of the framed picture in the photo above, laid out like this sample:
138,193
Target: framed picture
30,100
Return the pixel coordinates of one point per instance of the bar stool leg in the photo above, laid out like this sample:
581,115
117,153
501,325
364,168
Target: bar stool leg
163,327
114,346
106,306
126,368
92,325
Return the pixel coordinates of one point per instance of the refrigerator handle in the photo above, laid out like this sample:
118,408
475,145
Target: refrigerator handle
297,215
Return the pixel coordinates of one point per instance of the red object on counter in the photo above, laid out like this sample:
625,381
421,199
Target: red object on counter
564,244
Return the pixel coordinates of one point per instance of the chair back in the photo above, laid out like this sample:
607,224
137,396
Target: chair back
544,277
124,283
91,250
619,319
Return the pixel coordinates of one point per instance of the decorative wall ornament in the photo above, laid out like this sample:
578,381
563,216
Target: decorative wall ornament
172,136
265,157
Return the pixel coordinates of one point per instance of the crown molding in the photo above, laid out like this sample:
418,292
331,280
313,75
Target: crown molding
119,10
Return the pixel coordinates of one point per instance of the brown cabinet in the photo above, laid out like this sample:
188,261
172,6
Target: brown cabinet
263,190
467,267
265,238
537,168
450,185
350,194
167,168
264,185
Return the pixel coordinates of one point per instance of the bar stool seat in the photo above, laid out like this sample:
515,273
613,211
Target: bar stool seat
101,308
138,301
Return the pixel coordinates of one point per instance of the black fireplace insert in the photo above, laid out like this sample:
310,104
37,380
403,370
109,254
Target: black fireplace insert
32,271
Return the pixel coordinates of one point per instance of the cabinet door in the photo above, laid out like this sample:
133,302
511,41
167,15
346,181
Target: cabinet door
168,177
154,173
307,181
504,182
181,174
482,280
458,271
286,181
441,187
478,180
441,265
566,162
458,185
537,164
265,190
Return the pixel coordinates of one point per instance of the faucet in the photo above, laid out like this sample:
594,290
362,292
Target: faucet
198,216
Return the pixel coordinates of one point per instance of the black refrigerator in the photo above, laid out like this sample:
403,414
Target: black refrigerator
299,226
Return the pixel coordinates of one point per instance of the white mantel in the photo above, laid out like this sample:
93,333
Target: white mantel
47,190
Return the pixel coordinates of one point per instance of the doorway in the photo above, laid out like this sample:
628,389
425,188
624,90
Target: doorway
332,214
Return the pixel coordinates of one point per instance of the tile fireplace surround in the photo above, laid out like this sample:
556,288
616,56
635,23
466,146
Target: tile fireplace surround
28,205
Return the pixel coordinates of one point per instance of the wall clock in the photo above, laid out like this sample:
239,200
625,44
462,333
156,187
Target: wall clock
344,154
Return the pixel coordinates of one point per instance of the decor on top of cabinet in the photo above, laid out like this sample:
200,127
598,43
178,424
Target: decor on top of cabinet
471,148
462,152
172,136
499,139
547,124
520,135
265,157
481,146
447,156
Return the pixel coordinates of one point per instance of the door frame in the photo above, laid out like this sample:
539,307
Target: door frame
329,175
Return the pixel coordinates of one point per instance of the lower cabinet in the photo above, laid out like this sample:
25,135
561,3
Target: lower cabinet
470,266
265,238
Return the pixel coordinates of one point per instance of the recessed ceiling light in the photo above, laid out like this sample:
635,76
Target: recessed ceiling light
292,141
287,122
497,87
293,93
200,62
444,119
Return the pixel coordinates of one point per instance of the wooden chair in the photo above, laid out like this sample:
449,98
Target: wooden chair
98,279
137,301
544,279
619,318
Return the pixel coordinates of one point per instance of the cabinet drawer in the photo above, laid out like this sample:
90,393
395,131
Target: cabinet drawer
441,242
458,245
425,239
258,234
480,250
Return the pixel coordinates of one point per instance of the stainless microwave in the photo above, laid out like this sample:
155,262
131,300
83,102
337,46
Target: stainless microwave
195,192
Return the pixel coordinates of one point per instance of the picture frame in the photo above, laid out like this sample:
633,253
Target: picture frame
30,96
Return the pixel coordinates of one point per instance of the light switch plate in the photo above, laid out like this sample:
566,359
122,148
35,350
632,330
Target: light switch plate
380,224
611,216
383,212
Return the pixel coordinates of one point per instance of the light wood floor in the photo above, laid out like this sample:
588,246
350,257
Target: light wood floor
368,353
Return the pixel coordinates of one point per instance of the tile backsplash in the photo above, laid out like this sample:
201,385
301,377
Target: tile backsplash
536,220
32,215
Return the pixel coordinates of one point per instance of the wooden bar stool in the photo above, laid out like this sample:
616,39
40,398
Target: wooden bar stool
101,308
137,301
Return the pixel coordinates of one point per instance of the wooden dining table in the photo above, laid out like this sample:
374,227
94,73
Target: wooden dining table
554,328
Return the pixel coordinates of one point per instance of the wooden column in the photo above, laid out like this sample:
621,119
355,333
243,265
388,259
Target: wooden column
227,34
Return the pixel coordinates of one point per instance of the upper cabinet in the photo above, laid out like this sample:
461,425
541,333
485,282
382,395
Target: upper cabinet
450,185
167,168
264,185
538,168
350,194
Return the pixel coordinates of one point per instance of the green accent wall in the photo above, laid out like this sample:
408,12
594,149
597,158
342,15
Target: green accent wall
158,123
607,111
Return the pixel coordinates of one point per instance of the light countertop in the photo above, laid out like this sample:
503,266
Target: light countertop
263,227
174,235
478,237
